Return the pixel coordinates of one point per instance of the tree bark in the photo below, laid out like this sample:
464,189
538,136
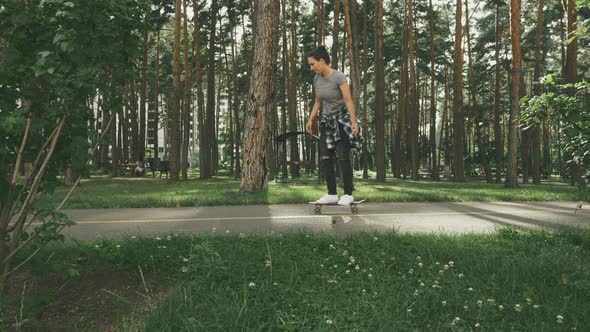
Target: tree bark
365,110
458,114
335,32
143,99
413,99
400,133
209,129
175,114
186,103
433,157
511,172
261,97
536,130
499,142
379,94
294,146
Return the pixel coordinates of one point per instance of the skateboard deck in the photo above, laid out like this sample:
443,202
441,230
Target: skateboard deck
353,206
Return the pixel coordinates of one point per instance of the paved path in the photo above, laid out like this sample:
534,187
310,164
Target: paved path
445,217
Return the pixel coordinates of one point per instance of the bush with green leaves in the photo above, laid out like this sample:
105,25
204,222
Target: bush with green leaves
568,105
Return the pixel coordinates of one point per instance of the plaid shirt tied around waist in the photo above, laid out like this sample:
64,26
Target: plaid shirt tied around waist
332,124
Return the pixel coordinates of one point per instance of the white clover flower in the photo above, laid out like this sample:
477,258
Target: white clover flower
252,284
441,272
529,301
437,263
411,271
242,235
536,306
184,269
517,308
267,263
370,276
335,266
169,238
420,265
332,247
457,319
479,303
446,267
357,267
375,238
96,246
491,300
559,319
274,284
133,237
364,291
444,303
345,253
214,229
307,235
451,263
409,310
470,289
321,265
465,307
461,275
227,231
477,325
185,260
501,307
118,246
421,284
158,239
347,271
329,322
418,258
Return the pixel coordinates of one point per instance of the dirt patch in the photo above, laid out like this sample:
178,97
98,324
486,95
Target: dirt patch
96,300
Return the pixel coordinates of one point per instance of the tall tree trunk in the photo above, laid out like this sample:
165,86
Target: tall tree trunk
365,152
511,172
433,156
571,72
413,99
379,94
143,99
320,38
350,14
499,142
236,106
156,120
335,32
186,109
458,114
482,146
209,129
175,114
536,130
400,138
200,97
134,124
294,146
260,97
285,87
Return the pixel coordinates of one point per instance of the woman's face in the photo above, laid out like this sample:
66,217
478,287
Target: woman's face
315,65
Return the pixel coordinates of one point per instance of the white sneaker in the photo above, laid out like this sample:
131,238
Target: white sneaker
346,200
328,199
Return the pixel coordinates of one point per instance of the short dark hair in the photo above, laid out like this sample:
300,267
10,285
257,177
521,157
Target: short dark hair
320,53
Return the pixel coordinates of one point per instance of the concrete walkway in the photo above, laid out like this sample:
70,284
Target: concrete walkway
447,217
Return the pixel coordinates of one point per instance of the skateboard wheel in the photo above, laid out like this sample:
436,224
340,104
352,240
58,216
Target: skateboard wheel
318,210
354,209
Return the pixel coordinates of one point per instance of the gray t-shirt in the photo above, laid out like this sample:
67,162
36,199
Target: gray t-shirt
328,91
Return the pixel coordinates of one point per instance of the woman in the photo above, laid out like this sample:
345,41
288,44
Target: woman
338,127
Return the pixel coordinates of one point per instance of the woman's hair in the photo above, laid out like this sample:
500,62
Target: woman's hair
320,53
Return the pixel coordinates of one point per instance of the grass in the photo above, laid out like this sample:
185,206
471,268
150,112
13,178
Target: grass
512,280
102,191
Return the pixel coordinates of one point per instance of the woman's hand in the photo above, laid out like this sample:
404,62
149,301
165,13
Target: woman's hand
355,128
309,126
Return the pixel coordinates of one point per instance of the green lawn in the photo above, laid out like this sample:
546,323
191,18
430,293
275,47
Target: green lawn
102,191
512,280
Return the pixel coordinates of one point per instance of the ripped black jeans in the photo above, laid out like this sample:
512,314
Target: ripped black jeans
343,151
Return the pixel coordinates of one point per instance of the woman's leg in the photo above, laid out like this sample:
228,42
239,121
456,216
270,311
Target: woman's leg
343,149
327,163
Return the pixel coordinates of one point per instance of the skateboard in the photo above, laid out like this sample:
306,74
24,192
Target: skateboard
353,206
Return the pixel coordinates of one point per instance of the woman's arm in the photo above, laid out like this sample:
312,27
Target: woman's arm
314,112
350,105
